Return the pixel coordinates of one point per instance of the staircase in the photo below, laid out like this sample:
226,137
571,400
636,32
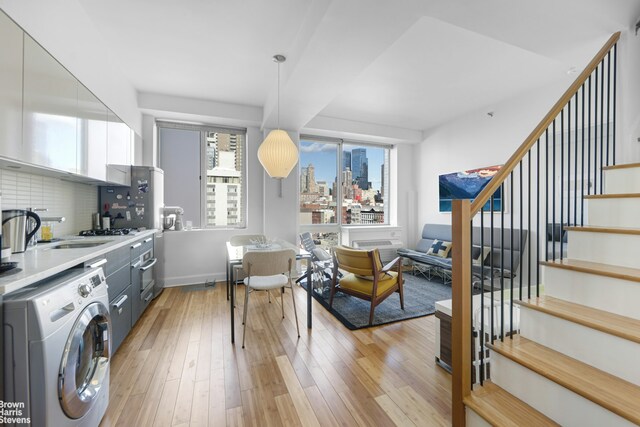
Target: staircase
576,359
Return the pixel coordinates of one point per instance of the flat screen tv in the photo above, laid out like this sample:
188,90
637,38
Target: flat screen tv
467,185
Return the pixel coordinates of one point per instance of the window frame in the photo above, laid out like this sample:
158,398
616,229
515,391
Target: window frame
386,180
204,129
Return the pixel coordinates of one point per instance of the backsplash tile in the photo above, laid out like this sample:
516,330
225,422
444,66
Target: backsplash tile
72,200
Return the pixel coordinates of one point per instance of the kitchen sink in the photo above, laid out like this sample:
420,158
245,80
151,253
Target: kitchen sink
80,245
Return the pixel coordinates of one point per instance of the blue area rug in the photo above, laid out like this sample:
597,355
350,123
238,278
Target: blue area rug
420,296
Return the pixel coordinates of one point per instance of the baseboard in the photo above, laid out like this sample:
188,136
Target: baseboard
171,282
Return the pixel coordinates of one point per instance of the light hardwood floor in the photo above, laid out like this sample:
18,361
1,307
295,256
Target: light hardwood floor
178,367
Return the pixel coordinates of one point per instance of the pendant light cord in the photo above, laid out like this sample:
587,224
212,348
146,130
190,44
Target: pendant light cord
278,95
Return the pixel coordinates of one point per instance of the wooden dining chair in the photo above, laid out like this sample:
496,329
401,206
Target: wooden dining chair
267,270
367,278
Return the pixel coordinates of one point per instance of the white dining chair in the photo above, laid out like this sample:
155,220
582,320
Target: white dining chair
243,240
268,270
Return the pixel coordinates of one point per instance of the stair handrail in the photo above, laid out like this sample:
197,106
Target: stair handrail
519,154
463,211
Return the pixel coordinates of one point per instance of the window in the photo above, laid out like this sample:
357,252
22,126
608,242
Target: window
356,195
204,173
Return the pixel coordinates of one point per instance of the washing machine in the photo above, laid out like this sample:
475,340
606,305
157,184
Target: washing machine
57,350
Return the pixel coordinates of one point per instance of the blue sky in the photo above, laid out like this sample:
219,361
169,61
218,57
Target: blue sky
323,157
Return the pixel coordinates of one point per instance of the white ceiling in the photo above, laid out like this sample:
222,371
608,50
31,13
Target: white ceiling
409,64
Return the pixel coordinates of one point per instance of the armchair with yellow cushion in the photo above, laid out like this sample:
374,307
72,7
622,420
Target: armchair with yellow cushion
367,278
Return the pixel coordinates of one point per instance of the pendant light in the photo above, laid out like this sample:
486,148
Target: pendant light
277,153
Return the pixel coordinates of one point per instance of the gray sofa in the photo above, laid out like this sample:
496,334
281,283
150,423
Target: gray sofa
498,262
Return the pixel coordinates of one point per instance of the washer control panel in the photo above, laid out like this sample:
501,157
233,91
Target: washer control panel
84,290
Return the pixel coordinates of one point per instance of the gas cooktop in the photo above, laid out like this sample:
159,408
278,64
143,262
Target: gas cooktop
109,232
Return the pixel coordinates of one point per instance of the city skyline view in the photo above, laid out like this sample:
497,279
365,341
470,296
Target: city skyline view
342,183
323,158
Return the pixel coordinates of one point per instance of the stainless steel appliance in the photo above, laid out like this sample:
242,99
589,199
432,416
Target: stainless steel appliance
139,205
57,348
142,275
17,230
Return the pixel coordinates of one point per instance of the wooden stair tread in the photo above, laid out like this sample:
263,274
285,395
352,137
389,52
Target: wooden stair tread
601,229
613,196
614,324
615,394
622,166
617,272
500,408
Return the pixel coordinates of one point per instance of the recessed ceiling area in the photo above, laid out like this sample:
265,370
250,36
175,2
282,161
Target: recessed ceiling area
437,71
407,64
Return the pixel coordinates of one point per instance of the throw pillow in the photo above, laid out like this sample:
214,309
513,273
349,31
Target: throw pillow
479,255
439,248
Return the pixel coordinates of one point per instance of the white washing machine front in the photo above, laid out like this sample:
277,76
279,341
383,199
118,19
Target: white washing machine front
61,361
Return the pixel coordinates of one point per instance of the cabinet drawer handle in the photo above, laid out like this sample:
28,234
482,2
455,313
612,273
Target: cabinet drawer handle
137,245
149,264
148,240
97,264
121,301
148,297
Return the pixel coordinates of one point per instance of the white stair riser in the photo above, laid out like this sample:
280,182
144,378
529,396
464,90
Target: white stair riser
612,354
621,181
556,402
605,248
604,293
475,420
618,212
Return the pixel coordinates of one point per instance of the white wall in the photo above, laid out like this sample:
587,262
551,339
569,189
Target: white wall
63,28
629,98
474,141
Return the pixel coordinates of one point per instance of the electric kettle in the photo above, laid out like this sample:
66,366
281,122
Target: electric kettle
15,228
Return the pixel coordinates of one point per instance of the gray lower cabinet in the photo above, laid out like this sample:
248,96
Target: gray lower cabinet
125,272
120,310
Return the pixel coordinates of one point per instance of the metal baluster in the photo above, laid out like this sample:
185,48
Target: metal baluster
528,225
491,207
520,243
561,180
511,253
481,296
608,100
582,170
589,141
601,123
546,195
615,79
568,163
595,134
553,193
502,266
575,166
538,219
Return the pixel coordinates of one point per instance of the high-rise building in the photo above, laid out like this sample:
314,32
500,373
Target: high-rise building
382,180
360,165
308,180
347,188
224,190
346,160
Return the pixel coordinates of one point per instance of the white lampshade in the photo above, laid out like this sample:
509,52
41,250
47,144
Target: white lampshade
278,154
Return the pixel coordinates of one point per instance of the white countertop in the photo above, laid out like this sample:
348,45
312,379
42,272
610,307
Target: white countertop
43,261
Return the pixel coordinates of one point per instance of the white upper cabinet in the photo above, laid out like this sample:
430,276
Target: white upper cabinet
50,110
91,135
10,88
119,143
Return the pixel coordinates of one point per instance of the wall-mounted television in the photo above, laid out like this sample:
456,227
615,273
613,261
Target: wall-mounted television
467,185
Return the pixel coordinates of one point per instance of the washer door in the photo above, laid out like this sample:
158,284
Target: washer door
85,360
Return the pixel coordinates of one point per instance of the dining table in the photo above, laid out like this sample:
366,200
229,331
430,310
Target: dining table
234,257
